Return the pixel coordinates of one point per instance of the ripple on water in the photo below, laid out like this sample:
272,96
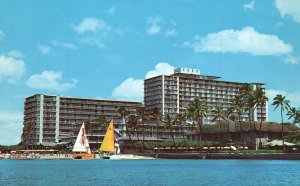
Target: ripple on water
149,172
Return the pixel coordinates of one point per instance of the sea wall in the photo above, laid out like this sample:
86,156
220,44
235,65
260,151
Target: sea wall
284,156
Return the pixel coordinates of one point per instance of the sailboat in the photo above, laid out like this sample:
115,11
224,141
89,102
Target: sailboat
82,148
110,148
107,147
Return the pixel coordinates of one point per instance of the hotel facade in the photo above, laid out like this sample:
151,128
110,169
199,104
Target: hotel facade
57,118
172,93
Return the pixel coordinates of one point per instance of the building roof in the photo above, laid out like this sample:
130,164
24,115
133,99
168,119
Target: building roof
95,99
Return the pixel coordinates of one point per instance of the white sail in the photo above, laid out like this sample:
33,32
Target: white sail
82,143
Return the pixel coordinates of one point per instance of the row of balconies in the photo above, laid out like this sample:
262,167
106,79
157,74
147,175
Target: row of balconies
153,101
152,97
63,106
62,127
99,102
81,108
87,114
30,99
152,90
206,94
209,87
84,118
99,108
30,110
207,91
157,95
30,104
170,98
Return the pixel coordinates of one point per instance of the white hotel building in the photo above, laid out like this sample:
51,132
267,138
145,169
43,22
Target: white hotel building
172,93
56,118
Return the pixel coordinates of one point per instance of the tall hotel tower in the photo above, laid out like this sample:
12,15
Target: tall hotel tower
172,93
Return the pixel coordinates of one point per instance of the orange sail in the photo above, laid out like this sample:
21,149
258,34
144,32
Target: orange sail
108,143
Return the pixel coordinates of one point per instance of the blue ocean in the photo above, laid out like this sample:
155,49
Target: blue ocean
149,172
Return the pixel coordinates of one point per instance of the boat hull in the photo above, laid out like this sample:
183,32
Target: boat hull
85,156
126,157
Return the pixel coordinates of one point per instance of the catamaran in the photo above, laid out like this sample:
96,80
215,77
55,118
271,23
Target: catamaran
82,148
110,149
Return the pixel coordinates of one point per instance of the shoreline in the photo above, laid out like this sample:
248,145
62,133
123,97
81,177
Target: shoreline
283,156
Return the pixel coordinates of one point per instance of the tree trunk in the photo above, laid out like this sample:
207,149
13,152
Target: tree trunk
283,147
181,128
157,136
128,134
261,120
228,129
123,121
220,132
172,135
200,135
143,138
241,128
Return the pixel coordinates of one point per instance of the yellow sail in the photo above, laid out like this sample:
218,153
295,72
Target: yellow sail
108,143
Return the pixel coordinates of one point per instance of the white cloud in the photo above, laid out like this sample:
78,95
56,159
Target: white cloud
11,69
249,6
154,25
92,41
64,44
153,29
289,7
49,80
133,89
292,59
15,54
171,33
11,124
247,40
130,89
111,10
160,69
1,34
91,24
44,49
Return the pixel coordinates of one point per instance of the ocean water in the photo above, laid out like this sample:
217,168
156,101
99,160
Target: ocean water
149,172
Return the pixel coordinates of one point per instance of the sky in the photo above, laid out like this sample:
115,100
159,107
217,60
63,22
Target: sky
105,49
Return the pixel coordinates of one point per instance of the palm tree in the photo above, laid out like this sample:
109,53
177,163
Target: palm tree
169,122
260,100
228,113
88,126
197,111
132,124
180,121
155,116
247,97
218,113
239,107
103,122
284,104
122,113
138,121
295,114
28,129
142,118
